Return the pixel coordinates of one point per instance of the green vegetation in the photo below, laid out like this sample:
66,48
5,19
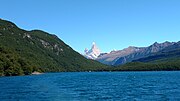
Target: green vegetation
40,50
158,65
12,64
23,52
139,66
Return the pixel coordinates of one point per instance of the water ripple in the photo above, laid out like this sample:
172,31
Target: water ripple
94,86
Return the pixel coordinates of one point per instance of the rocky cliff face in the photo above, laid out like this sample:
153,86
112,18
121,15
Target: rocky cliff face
93,53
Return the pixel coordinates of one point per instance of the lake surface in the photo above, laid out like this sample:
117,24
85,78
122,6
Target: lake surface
92,86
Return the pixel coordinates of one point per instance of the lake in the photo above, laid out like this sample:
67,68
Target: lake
92,86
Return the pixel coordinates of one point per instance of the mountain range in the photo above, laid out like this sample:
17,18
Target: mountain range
169,53
23,52
132,53
157,57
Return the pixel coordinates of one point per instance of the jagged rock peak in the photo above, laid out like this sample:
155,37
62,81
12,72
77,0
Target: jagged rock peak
93,53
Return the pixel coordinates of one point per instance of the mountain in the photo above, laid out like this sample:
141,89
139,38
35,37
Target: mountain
165,59
93,53
170,53
111,57
132,53
40,50
143,52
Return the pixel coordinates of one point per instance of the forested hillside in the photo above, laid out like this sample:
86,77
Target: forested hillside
42,50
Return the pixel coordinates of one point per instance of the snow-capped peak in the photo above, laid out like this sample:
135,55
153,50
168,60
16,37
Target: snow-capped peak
93,53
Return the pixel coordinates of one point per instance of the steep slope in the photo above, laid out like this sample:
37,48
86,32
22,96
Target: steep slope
43,50
170,53
112,57
143,52
131,53
166,59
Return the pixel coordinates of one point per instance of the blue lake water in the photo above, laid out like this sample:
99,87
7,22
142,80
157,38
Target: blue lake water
92,86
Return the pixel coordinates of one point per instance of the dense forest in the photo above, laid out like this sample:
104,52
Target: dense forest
12,64
139,66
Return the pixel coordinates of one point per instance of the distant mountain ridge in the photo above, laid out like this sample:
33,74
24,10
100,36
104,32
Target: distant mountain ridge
132,53
167,54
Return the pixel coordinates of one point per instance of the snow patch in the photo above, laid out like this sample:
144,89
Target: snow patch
93,53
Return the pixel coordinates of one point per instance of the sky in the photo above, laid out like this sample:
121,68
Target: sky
111,24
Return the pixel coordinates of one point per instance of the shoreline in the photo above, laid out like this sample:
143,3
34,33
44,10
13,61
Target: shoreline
36,73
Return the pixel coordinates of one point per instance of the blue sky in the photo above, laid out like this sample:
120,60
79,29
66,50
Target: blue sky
112,24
